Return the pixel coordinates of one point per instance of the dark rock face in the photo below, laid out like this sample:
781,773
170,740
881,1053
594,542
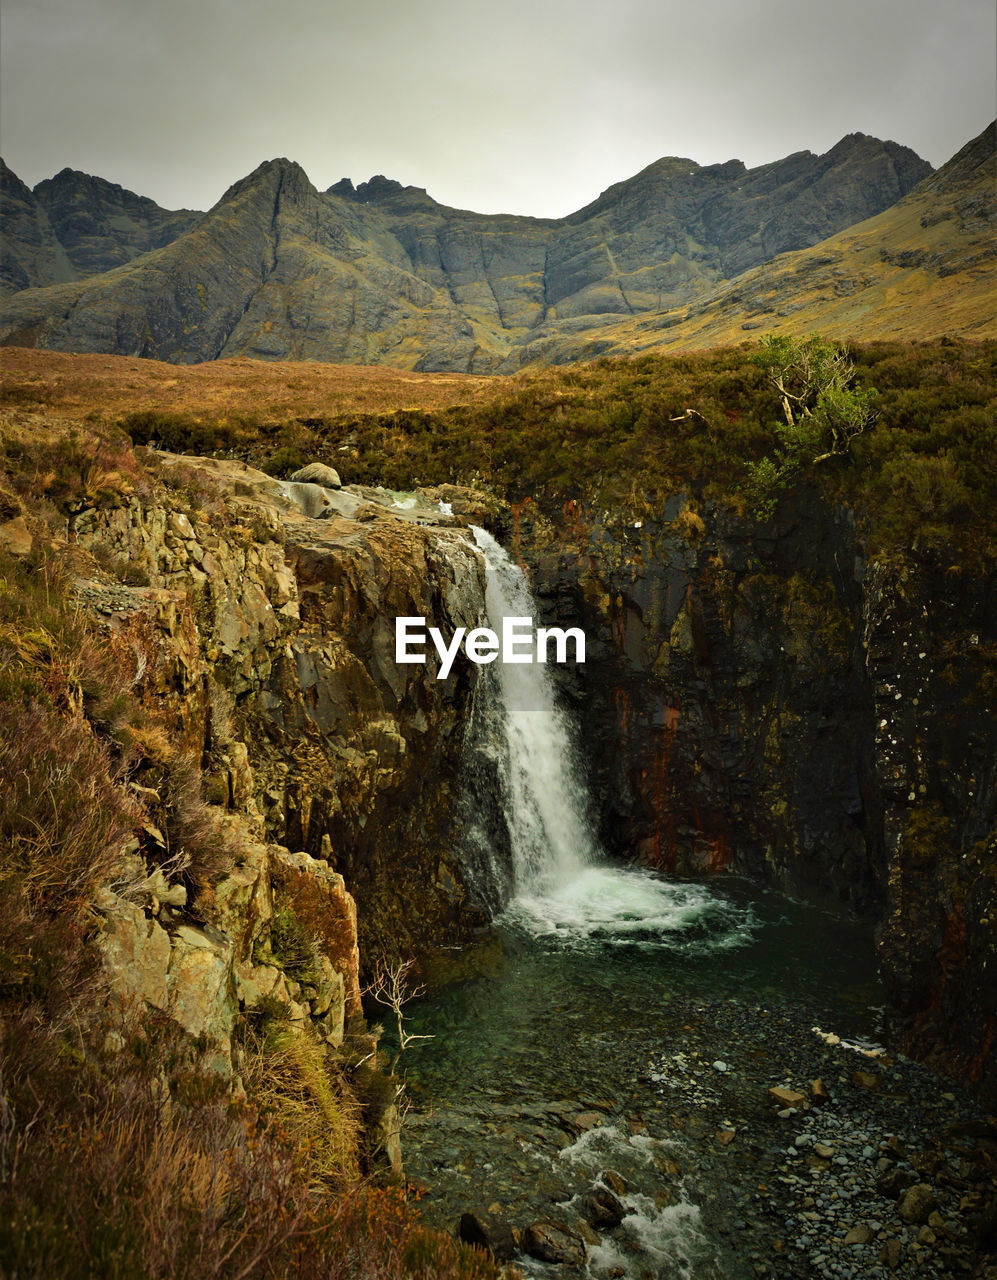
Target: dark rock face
353,760
29,252
777,706
381,272
488,1233
101,225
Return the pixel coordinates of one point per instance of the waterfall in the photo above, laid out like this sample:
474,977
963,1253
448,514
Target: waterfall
543,802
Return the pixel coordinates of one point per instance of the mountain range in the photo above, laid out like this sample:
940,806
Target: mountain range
865,240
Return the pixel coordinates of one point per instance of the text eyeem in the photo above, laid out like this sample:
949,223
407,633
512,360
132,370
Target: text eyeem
518,643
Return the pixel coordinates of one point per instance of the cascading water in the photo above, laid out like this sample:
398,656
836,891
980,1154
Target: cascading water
545,805
561,886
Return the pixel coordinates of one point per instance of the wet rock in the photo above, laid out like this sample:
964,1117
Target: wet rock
818,1093
861,1234
614,1181
865,1079
602,1209
554,1242
786,1097
918,1203
487,1232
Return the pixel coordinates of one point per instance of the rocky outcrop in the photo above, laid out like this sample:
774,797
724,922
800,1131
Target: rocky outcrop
769,702
382,273
268,640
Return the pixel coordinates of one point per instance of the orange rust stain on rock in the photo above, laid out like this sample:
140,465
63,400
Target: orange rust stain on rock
952,954
519,509
713,854
575,519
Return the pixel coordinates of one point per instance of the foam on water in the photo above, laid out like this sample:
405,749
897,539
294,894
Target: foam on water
668,1235
613,906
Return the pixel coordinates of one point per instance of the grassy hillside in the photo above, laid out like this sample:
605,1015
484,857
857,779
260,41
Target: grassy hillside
616,431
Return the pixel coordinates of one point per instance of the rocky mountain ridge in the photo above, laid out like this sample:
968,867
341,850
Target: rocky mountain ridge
75,225
381,273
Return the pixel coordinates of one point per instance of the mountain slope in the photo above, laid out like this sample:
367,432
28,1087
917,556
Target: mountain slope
384,274
923,268
74,225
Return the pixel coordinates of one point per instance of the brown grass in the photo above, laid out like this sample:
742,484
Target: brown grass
70,386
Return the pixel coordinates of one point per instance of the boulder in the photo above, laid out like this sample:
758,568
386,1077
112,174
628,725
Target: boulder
602,1209
918,1203
487,1232
318,473
554,1242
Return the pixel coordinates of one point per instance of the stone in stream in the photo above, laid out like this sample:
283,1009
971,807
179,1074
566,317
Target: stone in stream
553,1242
787,1097
602,1210
487,1232
859,1235
890,1254
611,1179
918,1203
818,1093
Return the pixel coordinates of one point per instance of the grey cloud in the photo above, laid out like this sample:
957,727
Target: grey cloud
531,107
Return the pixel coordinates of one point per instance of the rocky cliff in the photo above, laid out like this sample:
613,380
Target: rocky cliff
384,274
284,793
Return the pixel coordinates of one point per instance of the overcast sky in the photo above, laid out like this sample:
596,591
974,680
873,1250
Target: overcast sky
527,106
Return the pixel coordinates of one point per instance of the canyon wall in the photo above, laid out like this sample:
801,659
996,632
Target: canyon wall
757,699
765,700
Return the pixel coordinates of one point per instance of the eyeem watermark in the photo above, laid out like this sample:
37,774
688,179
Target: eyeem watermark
519,642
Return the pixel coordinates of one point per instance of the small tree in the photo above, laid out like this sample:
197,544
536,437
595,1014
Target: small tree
822,412
390,988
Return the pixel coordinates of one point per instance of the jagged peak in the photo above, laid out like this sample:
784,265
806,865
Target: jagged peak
271,174
70,179
977,152
11,182
379,189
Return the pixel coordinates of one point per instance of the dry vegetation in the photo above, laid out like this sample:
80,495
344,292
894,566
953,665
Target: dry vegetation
70,386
